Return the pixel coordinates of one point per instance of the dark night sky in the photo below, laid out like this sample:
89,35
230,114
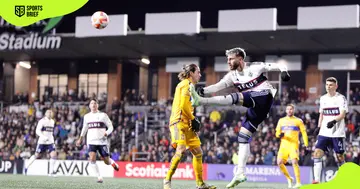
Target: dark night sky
136,9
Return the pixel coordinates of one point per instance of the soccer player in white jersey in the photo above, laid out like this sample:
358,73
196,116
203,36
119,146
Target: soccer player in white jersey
98,127
45,131
255,93
333,109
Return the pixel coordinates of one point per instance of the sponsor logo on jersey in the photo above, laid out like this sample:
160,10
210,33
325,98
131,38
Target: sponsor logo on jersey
47,129
96,125
250,84
331,111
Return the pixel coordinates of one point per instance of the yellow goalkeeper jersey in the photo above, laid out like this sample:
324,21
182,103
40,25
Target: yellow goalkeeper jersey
291,127
181,110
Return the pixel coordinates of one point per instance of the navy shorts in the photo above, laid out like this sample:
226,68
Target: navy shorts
40,148
259,104
327,143
102,149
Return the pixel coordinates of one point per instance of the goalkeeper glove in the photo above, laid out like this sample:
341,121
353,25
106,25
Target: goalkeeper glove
285,76
331,124
195,125
200,91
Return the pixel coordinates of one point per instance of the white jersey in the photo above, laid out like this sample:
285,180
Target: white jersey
252,77
330,107
45,131
95,125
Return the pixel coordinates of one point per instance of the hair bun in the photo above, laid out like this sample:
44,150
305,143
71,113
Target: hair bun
184,67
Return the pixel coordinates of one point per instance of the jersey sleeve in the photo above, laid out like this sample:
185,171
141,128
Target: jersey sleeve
265,66
343,104
84,128
109,124
224,83
185,106
278,129
321,105
39,127
303,132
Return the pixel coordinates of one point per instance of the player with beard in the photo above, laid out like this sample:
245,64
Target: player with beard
288,129
254,92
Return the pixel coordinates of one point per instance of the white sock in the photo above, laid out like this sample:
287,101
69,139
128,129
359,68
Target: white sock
217,100
244,151
111,161
95,168
31,160
52,163
317,169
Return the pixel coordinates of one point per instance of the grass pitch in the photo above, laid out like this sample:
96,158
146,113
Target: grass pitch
65,182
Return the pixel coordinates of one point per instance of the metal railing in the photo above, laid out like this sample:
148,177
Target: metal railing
140,156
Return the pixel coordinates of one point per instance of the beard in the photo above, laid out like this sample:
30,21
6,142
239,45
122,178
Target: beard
235,66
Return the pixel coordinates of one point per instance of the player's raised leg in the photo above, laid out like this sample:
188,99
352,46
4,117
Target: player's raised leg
198,168
32,159
104,152
197,100
281,161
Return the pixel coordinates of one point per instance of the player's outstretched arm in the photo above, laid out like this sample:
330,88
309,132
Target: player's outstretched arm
285,76
222,84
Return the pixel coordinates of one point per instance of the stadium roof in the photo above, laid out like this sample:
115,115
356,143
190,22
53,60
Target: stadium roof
209,42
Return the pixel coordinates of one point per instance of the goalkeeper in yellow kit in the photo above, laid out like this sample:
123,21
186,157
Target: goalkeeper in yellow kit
288,129
183,127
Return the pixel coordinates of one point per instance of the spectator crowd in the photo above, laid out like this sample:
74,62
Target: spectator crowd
218,136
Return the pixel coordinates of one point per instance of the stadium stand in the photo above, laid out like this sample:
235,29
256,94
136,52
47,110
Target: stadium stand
18,140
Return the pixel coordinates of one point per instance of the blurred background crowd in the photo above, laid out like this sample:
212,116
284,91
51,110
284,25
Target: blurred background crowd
150,141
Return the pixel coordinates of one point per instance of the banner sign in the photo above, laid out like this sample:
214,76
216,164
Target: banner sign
69,168
256,173
9,166
156,170
33,41
40,35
